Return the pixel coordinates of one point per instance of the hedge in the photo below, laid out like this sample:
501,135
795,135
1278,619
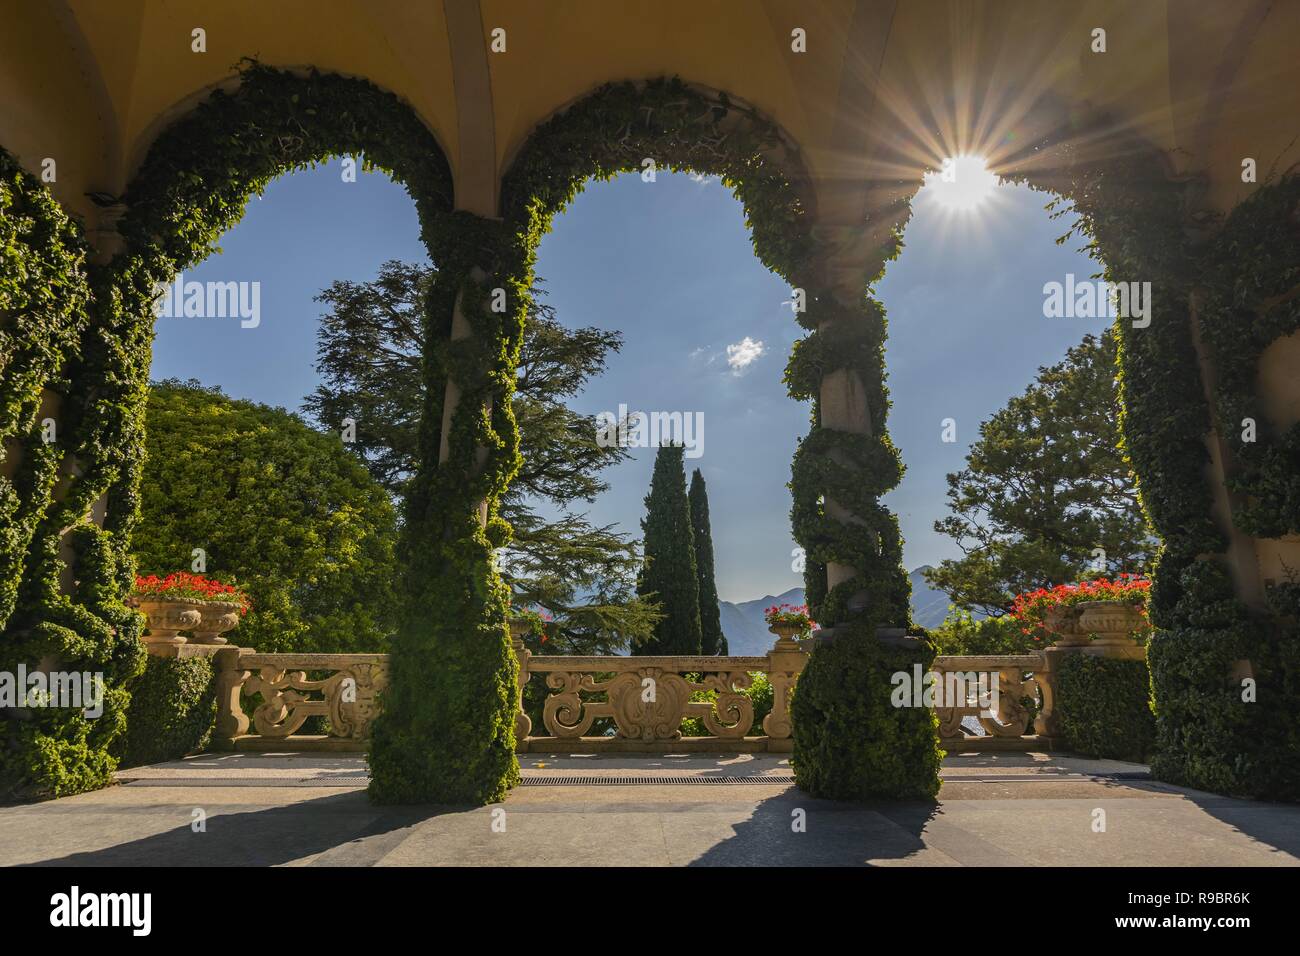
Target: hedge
1105,707
173,707
850,742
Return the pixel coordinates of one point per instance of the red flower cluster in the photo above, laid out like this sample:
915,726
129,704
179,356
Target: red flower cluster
789,614
1031,607
181,584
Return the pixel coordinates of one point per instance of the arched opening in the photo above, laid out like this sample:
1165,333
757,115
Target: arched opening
706,332
1015,479
485,289
665,263
192,187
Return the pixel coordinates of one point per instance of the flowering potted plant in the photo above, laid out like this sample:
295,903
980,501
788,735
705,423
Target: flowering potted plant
1106,612
188,602
788,621
525,621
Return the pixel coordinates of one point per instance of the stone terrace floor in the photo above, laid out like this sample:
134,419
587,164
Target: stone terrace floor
592,810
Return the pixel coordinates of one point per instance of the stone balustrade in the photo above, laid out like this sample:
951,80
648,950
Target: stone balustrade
347,696
646,699
1015,678
640,702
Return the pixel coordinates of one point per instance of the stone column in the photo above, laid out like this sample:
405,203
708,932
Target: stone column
232,722
850,403
785,662
523,723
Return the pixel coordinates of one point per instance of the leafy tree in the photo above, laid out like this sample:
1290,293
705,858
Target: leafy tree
712,640
276,506
669,573
368,354
1044,488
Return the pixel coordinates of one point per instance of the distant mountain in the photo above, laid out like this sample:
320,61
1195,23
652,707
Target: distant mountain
747,633
929,604
748,636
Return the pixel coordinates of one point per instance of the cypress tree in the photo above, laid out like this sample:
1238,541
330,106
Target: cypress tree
669,570
712,641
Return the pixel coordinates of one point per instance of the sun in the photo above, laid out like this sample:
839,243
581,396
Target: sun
963,184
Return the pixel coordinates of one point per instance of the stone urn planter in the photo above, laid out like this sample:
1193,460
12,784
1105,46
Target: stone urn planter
1094,624
218,617
181,601
786,632
168,617
1062,622
1113,622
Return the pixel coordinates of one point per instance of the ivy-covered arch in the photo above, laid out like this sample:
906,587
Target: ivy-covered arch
192,186
613,130
1234,289
685,128
616,129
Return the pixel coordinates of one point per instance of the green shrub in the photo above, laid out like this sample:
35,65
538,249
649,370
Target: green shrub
283,510
850,742
1105,707
173,706
962,634
760,695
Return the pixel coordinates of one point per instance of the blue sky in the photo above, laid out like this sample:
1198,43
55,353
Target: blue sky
670,265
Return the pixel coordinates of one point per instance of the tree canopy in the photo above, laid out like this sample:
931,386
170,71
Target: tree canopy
583,575
1047,496
284,510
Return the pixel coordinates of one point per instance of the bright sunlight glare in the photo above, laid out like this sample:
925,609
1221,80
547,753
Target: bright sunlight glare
961,185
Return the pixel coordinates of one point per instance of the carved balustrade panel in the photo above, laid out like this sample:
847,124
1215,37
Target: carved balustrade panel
348,696
647,697
990,688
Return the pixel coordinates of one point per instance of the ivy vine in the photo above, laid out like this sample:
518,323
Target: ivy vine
1134,216
192,187
1250,298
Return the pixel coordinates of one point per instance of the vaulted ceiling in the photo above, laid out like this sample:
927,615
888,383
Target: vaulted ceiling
885,89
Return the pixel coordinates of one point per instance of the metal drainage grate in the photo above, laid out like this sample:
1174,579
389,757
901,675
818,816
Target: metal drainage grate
335,780
648,780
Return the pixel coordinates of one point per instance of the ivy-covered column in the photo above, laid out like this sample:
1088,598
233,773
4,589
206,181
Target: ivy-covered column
446,732
67,378
851,742
1226,672
1214,461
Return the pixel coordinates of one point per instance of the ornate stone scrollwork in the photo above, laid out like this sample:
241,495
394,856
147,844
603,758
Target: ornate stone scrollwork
732,713
563,713
348,697
1011,717
646,698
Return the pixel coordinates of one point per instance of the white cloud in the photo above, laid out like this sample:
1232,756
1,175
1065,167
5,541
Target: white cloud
743,354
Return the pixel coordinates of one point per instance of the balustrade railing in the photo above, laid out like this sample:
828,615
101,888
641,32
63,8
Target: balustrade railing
1015,678
347,696
635,704
647,698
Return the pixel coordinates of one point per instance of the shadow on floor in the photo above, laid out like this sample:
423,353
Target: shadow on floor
833,833
1276,825
346,827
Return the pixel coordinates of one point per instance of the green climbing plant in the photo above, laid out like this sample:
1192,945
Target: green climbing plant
192,186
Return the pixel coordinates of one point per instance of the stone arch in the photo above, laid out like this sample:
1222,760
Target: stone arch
1186,379
190,188
682,126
